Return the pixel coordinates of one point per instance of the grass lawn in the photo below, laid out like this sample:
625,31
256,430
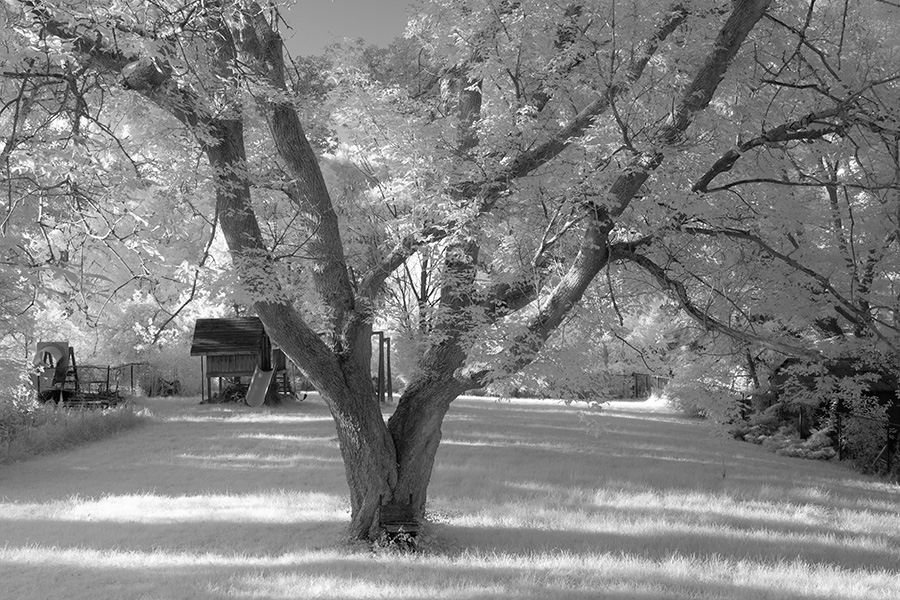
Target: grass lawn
529,500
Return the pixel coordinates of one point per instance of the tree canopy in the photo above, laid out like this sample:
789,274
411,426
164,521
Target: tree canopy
505,166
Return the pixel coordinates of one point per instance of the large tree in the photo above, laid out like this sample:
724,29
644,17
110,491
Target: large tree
604,128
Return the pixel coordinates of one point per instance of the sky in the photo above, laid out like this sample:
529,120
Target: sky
317,23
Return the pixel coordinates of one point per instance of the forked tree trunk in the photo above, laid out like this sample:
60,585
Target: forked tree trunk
393,462
387,467
404,468
389,463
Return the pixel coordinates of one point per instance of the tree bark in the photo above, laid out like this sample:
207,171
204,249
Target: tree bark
343,380
416,430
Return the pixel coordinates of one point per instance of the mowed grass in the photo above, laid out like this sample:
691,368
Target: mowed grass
528,500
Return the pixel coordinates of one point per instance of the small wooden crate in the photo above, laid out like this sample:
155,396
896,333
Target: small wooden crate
399,521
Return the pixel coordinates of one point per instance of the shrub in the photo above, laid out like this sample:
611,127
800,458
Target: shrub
16,406
864,435
787,442
759,426
704,399
770,430
706,387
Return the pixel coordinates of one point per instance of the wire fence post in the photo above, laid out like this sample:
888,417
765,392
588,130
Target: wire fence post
890,451
891,443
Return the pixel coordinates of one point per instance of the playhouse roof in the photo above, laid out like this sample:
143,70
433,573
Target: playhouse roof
241,335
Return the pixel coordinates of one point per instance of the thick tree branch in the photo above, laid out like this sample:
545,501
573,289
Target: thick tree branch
151,77
222,141
535,158
259,39
593,253
486,193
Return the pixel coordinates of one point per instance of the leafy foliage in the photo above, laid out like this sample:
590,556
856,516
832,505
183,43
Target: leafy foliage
487,172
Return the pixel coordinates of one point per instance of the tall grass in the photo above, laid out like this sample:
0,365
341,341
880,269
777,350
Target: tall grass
48,428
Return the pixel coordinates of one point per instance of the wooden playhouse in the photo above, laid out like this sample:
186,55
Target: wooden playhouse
232,349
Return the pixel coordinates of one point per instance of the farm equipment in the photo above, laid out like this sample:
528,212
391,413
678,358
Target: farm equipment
57,379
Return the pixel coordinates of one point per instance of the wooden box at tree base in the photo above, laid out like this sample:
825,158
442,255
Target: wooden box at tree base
399,522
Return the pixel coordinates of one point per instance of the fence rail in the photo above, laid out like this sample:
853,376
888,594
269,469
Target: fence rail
136,379
635,385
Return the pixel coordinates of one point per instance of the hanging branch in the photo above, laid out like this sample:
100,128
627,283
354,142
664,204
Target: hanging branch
798,130
710,323
848,309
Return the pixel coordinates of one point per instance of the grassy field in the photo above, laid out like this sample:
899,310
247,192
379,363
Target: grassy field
528,500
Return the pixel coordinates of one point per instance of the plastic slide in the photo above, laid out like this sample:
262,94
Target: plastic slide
259,384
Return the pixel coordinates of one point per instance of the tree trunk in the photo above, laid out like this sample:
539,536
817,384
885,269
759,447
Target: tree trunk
369,457
751,369
389,463
416,430
343,380
345,384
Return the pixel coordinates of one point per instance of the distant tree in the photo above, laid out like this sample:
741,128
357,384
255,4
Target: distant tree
519,149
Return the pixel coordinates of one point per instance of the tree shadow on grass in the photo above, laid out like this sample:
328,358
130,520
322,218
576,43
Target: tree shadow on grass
765,546
733,519
195,536
200,574
645,468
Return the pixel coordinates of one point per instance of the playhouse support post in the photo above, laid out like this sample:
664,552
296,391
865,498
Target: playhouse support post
202,377
381,367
